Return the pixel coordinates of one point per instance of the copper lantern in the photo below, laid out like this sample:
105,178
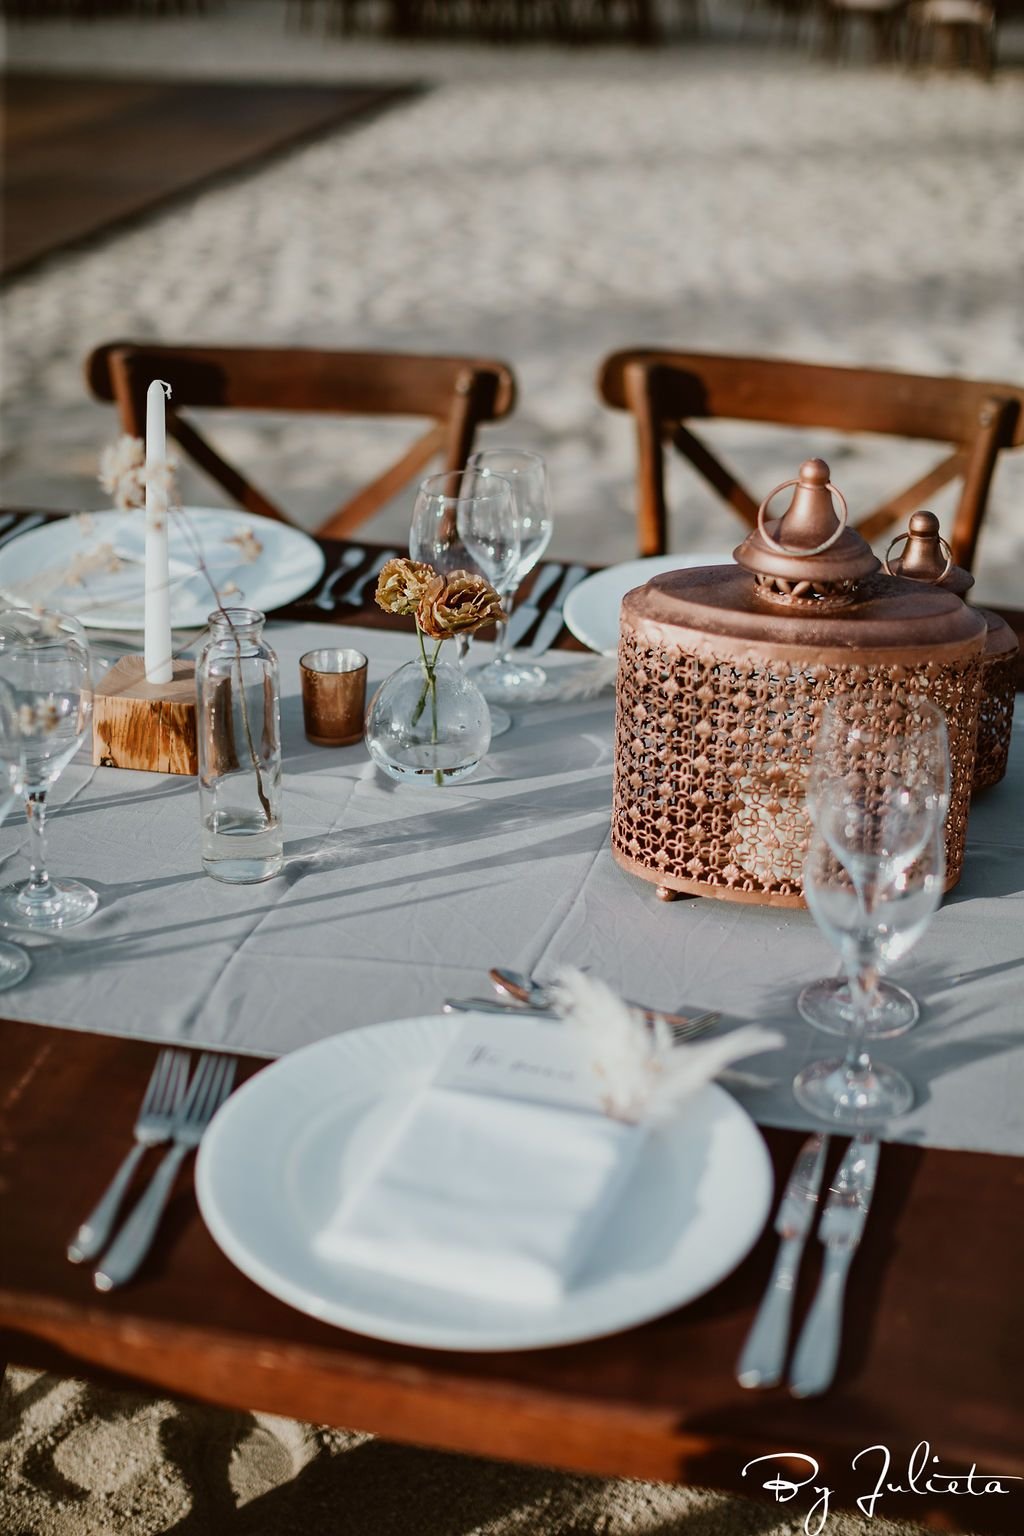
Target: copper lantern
925,556
723,675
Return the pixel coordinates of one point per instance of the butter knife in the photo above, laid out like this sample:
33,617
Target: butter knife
842,1223
551,623
529,613
764,1354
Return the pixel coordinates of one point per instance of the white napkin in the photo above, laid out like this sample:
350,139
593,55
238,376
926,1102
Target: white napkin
498,1198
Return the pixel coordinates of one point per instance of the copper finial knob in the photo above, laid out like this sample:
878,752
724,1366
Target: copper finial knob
926,556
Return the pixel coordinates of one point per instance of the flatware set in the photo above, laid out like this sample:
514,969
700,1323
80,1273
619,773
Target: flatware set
176,1109
762,1362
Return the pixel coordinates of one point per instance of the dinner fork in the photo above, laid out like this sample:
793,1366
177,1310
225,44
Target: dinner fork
153,1126
211,1083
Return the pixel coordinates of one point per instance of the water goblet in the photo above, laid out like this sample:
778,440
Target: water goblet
903,773
44,660
15,964
503,680
442,501
870,917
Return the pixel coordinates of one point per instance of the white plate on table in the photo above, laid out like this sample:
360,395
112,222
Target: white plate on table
273,1166
592,609
34,567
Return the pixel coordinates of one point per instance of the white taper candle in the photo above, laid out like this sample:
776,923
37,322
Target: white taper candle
158,593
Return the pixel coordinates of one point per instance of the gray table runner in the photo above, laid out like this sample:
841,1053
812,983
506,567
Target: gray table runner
398,895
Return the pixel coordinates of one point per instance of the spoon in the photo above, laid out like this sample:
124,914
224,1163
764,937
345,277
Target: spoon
535,995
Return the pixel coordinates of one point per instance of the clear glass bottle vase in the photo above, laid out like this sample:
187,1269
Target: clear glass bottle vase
239,730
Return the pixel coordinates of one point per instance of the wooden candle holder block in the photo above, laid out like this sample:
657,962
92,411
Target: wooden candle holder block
150,726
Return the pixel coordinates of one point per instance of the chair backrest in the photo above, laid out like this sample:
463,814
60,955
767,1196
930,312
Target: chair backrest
664,390
455,393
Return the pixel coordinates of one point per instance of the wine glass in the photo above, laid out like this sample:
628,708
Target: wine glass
894,764
503,680
44,660
869,919
15,964
445,504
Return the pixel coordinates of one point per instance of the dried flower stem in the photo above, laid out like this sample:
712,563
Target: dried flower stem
429,686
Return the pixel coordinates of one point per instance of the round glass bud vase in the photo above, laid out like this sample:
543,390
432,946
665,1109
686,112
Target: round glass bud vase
431,726
239,732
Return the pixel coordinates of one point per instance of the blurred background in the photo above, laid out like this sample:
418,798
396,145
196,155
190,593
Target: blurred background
536,180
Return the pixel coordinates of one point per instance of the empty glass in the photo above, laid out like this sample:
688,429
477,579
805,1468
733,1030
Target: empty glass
44,660
14,962
502,679
445,506
904,779
869,920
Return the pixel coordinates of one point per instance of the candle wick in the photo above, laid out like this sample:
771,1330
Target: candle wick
164,386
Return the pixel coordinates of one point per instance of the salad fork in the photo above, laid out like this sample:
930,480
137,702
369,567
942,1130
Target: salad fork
211,1083
153,1126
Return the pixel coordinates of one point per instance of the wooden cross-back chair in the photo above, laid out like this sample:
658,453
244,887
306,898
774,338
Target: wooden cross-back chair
457,394
666,390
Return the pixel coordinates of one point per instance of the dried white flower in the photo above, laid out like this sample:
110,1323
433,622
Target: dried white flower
103,558
249,546
122,471
38,719
230,589
644,1076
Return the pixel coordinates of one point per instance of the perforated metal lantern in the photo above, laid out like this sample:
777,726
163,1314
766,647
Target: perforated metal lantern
925,556
724,672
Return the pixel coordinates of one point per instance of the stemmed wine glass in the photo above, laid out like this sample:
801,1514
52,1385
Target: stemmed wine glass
14,962
503,680
446,508
44,660
873,877
913,762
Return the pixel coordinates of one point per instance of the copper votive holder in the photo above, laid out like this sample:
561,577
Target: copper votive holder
333,696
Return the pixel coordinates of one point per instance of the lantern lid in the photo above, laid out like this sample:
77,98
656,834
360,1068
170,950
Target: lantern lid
926,556
889,621
809,544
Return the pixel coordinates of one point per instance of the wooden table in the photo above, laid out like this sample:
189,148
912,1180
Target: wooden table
933,1347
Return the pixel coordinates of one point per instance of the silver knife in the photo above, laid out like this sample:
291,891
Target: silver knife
528,614
764,1354
356,593
842,1223
551,623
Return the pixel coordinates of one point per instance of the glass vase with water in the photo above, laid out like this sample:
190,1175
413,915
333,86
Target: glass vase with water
239,732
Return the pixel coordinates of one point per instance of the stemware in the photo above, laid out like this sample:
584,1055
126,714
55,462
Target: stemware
503,680
446,505
904,780
869,919
14,962
44,659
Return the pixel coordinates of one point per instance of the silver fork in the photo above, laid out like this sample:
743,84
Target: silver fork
153,1126
211,1083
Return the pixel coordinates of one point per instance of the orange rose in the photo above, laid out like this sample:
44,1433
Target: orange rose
458,604
401,585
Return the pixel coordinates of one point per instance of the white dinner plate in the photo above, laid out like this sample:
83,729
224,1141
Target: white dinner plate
592,608
105,594
275,1161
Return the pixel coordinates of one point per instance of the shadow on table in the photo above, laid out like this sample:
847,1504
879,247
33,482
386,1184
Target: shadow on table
473,823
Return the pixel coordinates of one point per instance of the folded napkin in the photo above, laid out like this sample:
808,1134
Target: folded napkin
496,1197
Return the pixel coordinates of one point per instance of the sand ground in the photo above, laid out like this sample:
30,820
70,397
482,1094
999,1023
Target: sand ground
544,206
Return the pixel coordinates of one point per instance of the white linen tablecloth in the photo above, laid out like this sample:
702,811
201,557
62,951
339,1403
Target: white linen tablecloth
396,896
